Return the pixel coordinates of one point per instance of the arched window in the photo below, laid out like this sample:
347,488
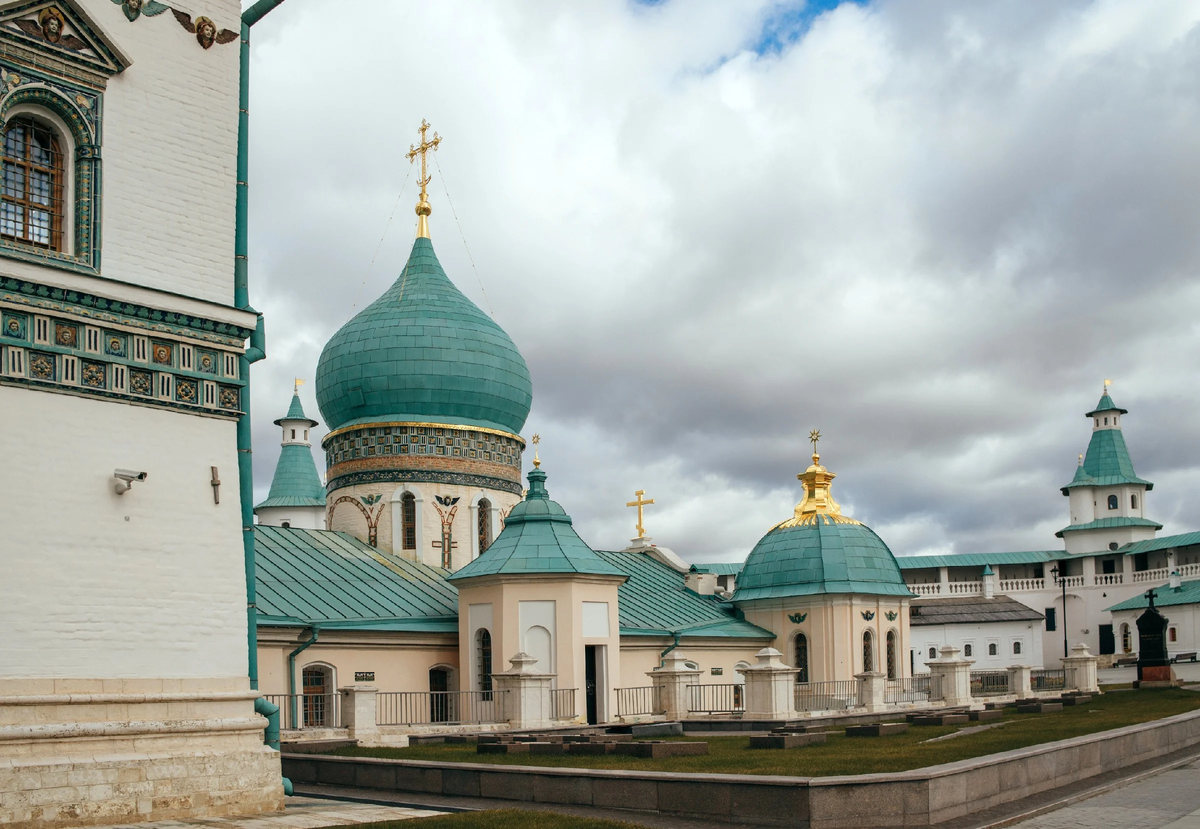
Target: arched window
1126,639
993,649
317,682
933,653
408,509
891,654
1112,502
1171,634
1106,421
31,203
1016,648
968,650
1133,501
485,523
483,649
868,652
800,647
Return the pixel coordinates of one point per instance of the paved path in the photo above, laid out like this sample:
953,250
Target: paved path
300,813
1169,800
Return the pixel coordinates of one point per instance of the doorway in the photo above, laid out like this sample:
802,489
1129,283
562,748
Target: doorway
439,697
589,682
318,696
1108,641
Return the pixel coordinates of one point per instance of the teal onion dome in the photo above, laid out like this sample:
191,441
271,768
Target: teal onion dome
819,550
423,353
537,538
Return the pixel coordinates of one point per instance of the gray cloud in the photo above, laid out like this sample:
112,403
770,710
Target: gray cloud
929,229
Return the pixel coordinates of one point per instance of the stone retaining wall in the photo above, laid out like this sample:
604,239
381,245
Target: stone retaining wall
921,797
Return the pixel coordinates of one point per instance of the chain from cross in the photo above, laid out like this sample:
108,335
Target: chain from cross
640,503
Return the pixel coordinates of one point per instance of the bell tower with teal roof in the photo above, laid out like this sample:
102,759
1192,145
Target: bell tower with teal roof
297,496
425,396
1107,498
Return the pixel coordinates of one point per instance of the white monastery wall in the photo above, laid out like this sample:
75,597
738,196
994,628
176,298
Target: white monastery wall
96,584
1004,635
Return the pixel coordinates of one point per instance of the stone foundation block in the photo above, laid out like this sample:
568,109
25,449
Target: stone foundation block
1078,699
502,748
881,729
590,748
942,719
548,748
986,716
657,749
1039,707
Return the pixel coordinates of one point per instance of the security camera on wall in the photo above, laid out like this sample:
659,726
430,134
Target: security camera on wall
125,478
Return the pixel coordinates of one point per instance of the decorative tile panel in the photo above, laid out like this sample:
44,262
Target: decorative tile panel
41,366
140,382
161,353
186,391
207,362
66,335
229,397
115,345
14,325
93,375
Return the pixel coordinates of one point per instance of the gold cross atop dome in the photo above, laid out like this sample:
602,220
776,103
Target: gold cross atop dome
640,503
423,209
817,499
537,462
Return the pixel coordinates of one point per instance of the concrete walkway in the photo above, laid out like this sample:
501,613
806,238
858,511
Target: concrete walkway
1169,800
300,813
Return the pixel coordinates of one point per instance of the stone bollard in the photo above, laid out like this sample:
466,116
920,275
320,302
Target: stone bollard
872,690
1020,681
1080,670
670,685
524,694
952,676
769,688
359,712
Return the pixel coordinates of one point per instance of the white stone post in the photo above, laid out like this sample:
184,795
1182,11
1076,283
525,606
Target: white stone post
670,684
1080,670
524,694
1020,681
953,676
769,688
872,690
359,712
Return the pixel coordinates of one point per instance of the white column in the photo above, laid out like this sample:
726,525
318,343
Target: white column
524,694
1020,681
954,676
1080,668
769,688
872,690
359,712
670,683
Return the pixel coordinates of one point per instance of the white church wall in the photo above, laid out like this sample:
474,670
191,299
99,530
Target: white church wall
993,645
96,584
303,518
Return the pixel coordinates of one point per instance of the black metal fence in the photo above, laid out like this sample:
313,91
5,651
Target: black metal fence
641,700
1048,680
716,699
989,683
299,711
429,707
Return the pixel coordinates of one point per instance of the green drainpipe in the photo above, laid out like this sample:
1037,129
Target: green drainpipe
674,645
312,640
256,352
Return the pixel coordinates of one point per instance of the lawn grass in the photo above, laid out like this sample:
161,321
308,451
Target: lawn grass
851,755
501,819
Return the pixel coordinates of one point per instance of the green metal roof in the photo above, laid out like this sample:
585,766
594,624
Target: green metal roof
423,352
537,538
819,557
1106,463
1165,542
720,568
654,602
1106,404
296,483
978,559
1188,593
1110,523
295,412
335,580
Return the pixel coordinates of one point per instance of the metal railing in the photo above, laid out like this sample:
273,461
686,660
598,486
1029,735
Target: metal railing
1016,585
989,683
1048,680
826,696
716,699
913,689
429,707
562,703
297,711
642,700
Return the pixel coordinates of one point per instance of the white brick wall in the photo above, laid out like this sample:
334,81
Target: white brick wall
95,584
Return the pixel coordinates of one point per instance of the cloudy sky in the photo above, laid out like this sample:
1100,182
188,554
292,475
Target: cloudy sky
929,229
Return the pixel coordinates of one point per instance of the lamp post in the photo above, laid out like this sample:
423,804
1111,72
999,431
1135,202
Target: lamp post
1062,581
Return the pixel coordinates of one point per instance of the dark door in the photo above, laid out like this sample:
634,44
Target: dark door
439,698
589,681
1108,642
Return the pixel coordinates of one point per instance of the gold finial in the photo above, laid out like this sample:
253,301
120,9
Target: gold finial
296,387
1081,460
817,499
537,462
1107,383
423,208
640,503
